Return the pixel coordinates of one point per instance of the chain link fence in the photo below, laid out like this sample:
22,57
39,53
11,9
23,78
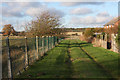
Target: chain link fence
18,54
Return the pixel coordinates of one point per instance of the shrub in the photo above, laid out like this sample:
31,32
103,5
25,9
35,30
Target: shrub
98,36
88,34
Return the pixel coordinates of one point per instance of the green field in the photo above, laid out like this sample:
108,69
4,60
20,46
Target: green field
75,59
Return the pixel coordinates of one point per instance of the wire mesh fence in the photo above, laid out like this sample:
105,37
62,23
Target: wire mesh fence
4,59
23,52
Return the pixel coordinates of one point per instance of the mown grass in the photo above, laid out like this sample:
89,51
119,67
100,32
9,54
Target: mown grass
108,59
68,60
53,65
84,66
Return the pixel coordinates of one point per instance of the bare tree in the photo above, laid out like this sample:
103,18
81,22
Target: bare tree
45,24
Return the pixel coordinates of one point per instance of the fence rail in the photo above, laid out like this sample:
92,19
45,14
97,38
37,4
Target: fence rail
18,54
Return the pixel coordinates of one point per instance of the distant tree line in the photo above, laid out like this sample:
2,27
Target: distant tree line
74,29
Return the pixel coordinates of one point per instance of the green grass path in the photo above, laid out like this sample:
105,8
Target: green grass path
107,59
66,60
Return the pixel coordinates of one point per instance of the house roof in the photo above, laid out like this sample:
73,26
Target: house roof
112,21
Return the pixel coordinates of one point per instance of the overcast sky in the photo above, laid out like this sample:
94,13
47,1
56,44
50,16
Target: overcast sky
73,14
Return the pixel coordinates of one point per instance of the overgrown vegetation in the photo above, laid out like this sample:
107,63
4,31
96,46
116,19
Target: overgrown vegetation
118,36
111,30
90,33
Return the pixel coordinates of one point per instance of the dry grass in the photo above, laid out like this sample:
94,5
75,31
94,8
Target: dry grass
13,37
71,33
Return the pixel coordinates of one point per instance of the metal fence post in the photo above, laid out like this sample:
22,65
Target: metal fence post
10,74
52,41
56,40
26,53
37,48
48,42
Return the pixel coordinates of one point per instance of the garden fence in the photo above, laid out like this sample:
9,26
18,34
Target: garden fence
18,54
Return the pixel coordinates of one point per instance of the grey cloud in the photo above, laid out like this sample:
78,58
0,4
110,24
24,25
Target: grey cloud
57,12
21,9
81,11
83,20
37,11
89,20
23,4
12,12
17,9
80,3
103,14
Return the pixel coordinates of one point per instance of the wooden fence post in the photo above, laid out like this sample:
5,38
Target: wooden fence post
10,74
26,53
43,45
37,47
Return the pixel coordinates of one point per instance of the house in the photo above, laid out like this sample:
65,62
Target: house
112,28
112,23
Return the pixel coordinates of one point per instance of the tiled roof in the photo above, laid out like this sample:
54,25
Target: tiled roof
112,21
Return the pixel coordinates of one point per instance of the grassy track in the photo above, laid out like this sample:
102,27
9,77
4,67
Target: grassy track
84,66
68,60
53,65
107,59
